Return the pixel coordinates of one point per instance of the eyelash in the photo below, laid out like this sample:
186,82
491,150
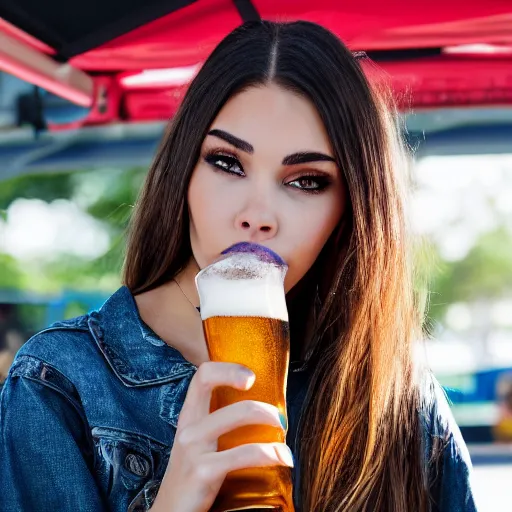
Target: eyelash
216,159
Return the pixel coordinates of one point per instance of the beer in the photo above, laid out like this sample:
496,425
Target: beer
245,321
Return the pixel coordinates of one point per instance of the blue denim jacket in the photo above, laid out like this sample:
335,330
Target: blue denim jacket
89,411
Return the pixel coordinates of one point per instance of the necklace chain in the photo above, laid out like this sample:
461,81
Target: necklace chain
185,295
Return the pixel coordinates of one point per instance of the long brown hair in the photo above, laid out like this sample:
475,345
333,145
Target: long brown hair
354,312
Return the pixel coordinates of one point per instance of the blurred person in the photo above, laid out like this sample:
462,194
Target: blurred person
280,140
11,338
13,341
6,359
502,431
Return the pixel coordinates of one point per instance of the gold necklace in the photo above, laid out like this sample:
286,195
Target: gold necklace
185,295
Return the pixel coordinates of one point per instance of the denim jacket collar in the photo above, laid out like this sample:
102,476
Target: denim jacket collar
136,354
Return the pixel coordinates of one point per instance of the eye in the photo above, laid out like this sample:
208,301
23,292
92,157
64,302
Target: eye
224,162
312,184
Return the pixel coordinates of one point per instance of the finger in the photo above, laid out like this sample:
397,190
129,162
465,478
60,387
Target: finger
253,455
210,375
226,419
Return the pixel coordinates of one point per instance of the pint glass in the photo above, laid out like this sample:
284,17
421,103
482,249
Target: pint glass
245,320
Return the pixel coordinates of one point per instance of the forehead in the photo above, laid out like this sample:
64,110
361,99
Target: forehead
272,118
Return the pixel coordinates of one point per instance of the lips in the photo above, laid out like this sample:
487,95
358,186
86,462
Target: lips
263,253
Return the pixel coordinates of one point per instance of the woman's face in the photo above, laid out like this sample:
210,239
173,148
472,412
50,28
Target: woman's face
267,175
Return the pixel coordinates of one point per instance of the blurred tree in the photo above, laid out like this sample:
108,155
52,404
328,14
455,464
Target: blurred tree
11,275
484,274
107,195
47,187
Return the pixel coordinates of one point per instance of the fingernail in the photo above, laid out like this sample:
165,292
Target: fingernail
284,421
248,377
285,455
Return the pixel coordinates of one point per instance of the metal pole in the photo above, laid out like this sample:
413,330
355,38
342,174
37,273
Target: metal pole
23,61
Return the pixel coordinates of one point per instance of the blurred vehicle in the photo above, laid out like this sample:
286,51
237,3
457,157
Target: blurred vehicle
482,404
503,428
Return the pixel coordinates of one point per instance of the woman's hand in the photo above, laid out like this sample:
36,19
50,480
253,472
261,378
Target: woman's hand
196,470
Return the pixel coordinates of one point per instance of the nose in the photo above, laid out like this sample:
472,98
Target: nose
257,222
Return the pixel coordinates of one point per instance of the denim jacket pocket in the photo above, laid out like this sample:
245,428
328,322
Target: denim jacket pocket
146,497
126,462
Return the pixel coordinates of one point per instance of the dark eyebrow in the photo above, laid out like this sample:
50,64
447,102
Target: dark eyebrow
234,141
306,157
303,157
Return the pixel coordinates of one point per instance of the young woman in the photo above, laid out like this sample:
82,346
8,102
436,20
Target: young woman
280,140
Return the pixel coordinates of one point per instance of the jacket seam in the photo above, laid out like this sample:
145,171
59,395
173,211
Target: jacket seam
49,330
52,386
62,328
131,432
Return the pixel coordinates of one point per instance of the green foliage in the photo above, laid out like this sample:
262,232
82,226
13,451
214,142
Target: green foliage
46,187
485,273
32,316
11,276
108,196
114,206
74,309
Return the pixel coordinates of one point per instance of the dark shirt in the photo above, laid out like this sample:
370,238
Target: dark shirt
90,407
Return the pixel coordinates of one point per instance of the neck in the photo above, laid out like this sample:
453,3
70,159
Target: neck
186,282
170,311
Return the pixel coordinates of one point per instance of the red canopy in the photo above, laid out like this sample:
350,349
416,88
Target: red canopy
444,53
188,35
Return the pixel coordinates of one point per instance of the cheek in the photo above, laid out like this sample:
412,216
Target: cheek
313,228
208,217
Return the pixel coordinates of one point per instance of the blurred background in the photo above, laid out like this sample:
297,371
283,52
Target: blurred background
83,103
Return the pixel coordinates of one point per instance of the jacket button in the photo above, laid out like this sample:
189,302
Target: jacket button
136,464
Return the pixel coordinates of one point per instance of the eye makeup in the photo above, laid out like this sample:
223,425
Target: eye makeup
224,161
309,181
318,182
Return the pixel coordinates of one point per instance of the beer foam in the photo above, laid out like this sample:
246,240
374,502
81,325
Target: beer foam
248,280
